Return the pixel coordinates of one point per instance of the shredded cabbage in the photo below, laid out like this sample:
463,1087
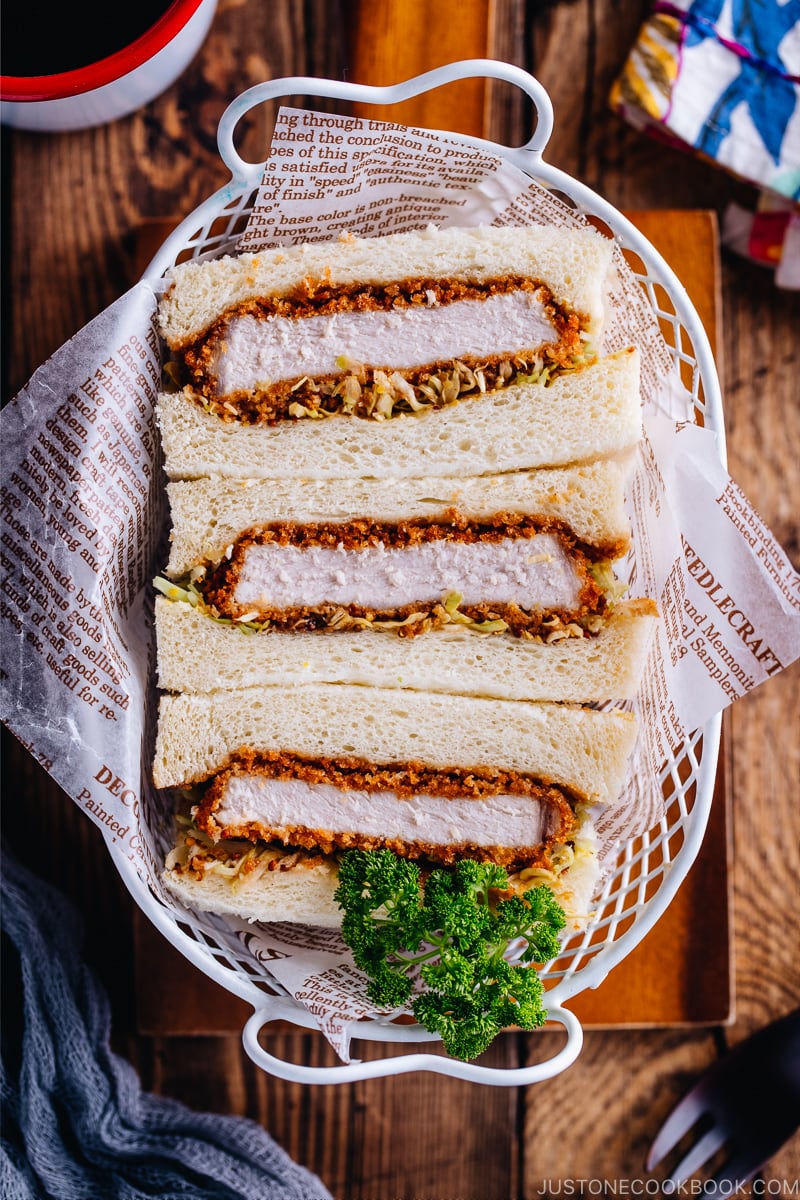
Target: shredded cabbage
379,396
236,860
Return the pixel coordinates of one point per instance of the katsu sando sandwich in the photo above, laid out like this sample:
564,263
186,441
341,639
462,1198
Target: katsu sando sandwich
444,349
290,332
279,782
321,572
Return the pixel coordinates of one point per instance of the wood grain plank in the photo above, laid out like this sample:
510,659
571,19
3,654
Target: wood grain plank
174,997
682,972
628,1082
508,113
462,1134
689,241
398,39
366,1140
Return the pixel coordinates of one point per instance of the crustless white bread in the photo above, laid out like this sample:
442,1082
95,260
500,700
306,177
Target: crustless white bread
582,416
199,654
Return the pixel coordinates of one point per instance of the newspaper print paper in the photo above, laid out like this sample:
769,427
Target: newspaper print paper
85,525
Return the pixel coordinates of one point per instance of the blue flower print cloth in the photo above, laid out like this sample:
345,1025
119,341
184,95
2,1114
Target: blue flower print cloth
722,78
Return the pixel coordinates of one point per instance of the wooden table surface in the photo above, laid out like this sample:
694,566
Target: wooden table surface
73,209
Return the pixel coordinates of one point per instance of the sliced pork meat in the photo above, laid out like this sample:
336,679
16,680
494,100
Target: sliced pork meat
517,570
441,822
259,350
531,572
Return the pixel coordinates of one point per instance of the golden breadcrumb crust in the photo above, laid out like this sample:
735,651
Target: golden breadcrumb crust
405,780
270,402
219,585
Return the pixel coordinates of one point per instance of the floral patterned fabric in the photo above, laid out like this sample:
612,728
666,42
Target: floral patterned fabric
722,78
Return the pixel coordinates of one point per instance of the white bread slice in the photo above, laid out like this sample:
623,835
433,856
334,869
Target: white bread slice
580,417
573,263
583,750
198,654
209,514
303,893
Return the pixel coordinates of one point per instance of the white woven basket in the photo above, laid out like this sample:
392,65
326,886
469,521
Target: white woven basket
650,868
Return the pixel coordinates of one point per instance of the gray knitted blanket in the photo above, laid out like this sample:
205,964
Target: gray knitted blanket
76,1124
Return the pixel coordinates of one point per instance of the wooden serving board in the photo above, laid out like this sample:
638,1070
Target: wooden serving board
681,973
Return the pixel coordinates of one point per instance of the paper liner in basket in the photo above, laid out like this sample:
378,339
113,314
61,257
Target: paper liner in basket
85,525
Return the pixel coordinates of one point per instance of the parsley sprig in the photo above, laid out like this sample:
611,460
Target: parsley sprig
450,929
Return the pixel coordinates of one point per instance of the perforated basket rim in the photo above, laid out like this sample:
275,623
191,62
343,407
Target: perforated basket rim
200,937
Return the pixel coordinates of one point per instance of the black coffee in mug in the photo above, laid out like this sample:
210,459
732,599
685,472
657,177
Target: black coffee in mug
49,38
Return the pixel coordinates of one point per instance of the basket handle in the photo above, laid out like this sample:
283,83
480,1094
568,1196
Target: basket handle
278,1009
246,173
